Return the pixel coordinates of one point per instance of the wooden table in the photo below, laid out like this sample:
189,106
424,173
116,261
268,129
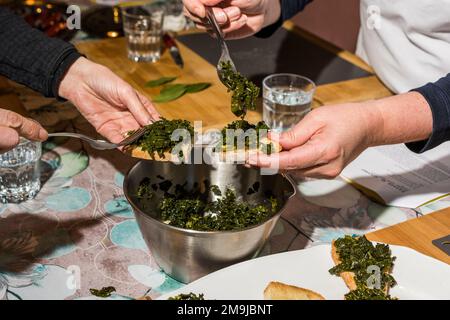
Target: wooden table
418,233
212,107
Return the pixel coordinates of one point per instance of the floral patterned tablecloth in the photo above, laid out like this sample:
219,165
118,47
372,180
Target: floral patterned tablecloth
80,232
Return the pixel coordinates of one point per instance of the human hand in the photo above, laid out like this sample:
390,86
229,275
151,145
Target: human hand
330,137
110,104
13,126
324,142
238,18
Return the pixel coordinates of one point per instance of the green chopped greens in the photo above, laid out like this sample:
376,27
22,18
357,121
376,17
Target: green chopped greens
188,296
192,209
157,138
244,92
364,293
104,292
357,254
234,141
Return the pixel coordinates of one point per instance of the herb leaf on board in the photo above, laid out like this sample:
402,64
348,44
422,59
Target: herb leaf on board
170,93
197,87
159,82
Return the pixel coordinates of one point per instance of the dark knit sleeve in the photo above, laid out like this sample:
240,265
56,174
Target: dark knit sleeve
437,95
29,57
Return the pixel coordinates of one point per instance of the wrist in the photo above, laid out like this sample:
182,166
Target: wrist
272,12
73,76
400,119
373,123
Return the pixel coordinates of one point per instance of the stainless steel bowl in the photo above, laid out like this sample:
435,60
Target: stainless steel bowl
187,255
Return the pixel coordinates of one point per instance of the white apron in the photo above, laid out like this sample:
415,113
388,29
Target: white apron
407,42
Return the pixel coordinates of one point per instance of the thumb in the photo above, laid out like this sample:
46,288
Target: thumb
296,136
25,127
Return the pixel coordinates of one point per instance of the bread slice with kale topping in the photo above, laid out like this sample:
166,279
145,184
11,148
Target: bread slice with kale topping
356,259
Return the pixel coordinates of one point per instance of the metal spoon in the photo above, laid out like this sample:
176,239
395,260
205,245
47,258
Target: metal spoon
225,55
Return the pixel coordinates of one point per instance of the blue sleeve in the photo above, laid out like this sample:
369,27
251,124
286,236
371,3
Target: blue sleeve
438,97
289,8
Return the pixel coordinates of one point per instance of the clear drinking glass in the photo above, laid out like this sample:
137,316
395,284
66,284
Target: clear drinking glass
143,28
19,172
287,98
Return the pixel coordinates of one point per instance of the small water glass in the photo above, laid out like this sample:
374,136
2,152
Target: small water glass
19,172
143,28
287,98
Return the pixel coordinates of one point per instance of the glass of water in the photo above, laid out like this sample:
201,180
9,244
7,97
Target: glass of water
19,172
287,98
143,28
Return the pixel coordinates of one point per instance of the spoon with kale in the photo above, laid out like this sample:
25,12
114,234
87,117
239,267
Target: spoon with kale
160,139
244,92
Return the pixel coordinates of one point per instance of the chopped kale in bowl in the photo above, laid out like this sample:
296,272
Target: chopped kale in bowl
194,210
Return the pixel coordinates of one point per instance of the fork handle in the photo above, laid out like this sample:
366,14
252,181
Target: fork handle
96,144
70,135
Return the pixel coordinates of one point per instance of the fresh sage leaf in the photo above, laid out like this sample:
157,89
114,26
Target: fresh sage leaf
172,88
170,93
197,87
159,82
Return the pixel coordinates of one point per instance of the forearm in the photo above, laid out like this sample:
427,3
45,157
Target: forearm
399,119
29,57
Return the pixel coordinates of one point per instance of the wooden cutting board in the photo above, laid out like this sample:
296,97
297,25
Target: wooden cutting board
418,234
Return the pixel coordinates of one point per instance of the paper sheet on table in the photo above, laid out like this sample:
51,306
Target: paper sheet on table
400,177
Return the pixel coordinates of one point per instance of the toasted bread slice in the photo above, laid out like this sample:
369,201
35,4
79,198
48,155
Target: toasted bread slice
141,154
137,152
242,155
348,277
281,291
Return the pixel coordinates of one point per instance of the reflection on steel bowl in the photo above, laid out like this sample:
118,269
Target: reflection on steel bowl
47,16
187,255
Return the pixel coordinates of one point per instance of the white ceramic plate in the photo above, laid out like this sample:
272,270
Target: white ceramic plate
418,276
